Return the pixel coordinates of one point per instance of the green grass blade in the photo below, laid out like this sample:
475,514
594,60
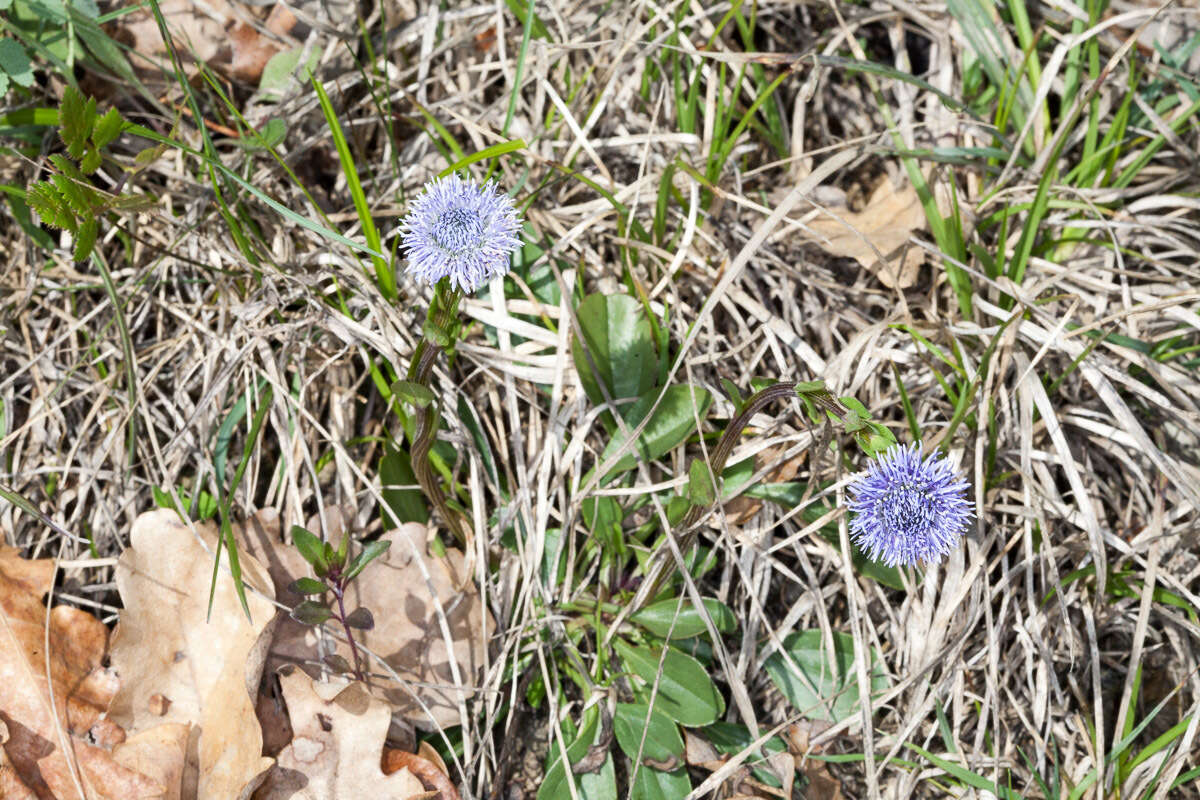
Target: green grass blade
385,274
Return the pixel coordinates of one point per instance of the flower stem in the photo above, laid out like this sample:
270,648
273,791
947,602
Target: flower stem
442,313
717,458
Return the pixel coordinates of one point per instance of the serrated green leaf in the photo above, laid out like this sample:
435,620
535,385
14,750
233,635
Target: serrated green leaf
307,586
658,618
311,612
91,161
685,692
73,194
43,198
85,239
370,551
107,128
361,619
412,392
311,549
75,118
66,166
24,219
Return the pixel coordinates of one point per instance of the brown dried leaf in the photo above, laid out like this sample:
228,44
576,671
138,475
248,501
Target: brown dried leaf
207,669
217,33
40,715
337,750
159,753
821,783
889,218
432,774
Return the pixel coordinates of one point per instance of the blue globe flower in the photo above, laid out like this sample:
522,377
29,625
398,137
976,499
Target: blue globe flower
908,508
458,229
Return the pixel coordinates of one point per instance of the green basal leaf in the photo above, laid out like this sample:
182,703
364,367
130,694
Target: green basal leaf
735,396
598,785
658,618
74,194
307,586
673,421
617,336
663,745
400,505
311,612
685,692
653,784
370,552
819,681
700,483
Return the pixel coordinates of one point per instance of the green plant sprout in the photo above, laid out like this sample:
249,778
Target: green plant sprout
334,576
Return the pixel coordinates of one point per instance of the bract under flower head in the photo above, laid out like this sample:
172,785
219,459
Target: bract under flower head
460,230
908,508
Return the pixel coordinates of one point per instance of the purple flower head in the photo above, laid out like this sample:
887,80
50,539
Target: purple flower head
908,508
458,229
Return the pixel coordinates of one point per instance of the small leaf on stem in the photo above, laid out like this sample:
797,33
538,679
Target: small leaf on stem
370,551
360,619
311,612
307,586
337,663
311,549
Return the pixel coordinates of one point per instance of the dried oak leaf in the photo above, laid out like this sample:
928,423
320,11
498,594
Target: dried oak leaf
54,698
221,34
179,664
885,224
337,749
407,633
